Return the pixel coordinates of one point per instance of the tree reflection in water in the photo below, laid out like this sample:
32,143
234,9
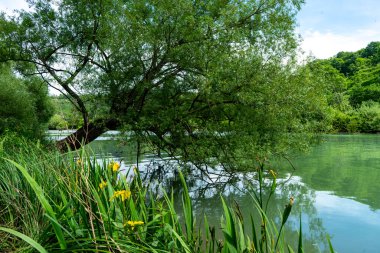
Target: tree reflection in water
206,190
339,177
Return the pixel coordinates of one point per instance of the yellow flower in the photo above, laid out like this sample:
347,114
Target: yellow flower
132,224
102,184
123,194
79,162
114,166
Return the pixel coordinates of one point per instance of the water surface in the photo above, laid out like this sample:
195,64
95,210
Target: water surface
335,185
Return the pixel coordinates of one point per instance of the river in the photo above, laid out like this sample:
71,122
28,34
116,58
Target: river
335,186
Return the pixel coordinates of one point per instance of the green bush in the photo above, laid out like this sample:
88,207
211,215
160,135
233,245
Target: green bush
57,122
353,125
66,117
25,107
369,114
340,121
365,119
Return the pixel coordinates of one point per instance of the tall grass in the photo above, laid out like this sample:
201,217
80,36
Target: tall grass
76,203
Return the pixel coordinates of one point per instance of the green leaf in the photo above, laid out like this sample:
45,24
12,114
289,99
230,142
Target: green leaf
290,250
229,230
187,209
254,235
26,238
330,245
182,242
44,202
300,247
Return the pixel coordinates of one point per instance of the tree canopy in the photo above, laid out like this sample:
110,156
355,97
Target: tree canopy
207,80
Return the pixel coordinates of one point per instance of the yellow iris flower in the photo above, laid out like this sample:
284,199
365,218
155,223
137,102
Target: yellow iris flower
114,166
102,184
132,224
123,194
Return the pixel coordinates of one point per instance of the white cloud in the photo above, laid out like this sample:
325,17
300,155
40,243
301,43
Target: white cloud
323,45
334,206
8,6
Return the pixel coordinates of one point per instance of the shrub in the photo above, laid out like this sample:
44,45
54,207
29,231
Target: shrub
25,106
57,122
340,121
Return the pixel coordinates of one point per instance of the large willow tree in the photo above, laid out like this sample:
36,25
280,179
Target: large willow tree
208,80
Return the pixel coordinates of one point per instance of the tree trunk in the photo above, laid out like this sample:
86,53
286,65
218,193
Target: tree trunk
85,135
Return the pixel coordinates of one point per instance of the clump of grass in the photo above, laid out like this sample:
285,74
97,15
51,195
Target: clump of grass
77,203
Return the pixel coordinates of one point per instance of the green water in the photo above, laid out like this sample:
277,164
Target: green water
336,186
344,174
348,165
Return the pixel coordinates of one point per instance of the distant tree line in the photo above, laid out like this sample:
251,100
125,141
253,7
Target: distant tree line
352,81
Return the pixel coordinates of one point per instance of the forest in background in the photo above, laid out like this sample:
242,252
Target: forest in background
353,89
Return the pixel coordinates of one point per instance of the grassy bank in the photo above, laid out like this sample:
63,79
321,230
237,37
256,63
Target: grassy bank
75,203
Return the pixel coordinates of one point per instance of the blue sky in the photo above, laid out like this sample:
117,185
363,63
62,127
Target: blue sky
326,26
331,26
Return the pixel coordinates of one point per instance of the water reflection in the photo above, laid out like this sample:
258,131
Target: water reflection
347,165
314,233
335,187
355,226
237,187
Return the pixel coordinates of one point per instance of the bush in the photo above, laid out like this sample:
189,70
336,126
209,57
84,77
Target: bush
353,125
25,107
340,121
365,119
57,122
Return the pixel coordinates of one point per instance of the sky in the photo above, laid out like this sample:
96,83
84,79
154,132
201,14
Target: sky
331,26
326,26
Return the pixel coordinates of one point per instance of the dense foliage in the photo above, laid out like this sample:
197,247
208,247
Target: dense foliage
25,107
210,81
353,88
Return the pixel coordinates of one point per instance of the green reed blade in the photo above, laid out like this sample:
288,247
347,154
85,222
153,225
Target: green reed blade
44,202
187,209
330,245
300,247
229,229
26,238
179,238
254,235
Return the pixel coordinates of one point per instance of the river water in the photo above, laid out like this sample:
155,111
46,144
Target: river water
335,186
